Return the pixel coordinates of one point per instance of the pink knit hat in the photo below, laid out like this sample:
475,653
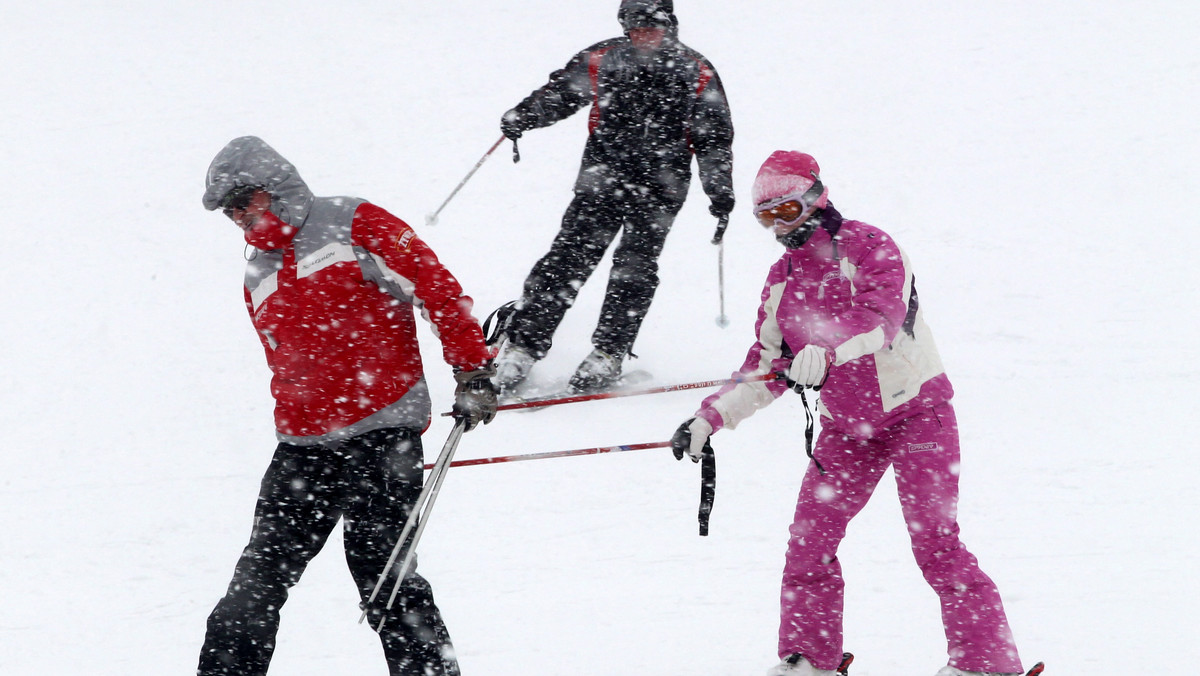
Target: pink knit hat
787,175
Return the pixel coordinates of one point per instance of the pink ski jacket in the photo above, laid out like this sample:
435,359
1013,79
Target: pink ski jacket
850,290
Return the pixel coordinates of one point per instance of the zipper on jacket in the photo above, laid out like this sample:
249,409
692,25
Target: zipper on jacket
287,275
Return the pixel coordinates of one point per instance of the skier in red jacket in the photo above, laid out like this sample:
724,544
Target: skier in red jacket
330,287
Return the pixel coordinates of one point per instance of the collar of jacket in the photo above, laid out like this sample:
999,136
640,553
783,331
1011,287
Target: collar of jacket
270,232
828,220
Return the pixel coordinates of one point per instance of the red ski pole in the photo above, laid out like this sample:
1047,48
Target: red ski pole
558,454
558,401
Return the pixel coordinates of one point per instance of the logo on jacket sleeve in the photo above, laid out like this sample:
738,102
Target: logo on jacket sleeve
923,448
405,239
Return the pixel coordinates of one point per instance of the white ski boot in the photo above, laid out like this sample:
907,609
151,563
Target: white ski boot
512,367
598,371
798,665
952,671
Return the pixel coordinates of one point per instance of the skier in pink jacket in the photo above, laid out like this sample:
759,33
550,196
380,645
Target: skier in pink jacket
840,315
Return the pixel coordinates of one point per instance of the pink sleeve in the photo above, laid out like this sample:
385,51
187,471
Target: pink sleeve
739,400
881,284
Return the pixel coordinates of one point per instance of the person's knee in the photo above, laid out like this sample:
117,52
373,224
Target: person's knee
635,269
562,267
944,562
252,596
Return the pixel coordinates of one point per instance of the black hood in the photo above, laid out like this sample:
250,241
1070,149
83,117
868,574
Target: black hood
643,13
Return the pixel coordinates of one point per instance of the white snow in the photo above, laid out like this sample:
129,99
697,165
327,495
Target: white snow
1037,160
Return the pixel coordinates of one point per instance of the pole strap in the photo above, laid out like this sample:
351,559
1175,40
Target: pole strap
719,235
808,433
708,487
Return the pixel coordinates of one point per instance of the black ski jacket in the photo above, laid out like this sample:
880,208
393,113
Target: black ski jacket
651,111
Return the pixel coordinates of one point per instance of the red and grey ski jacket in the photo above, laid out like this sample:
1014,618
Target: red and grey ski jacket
848,289
333,306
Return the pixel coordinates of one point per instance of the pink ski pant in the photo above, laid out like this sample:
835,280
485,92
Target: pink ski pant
924,454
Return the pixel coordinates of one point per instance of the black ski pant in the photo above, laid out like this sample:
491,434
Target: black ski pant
589,226
372,482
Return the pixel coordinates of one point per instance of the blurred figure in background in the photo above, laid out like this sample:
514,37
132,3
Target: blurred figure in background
654,104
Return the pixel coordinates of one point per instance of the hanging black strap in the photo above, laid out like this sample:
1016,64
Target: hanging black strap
808,432
720,233
708,486
516,152
496,325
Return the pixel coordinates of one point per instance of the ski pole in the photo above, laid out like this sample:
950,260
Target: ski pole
416,519
722,320
431,219
557,401
557,454
719,240
708,469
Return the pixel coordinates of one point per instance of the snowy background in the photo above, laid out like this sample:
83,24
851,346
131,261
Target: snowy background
1037,161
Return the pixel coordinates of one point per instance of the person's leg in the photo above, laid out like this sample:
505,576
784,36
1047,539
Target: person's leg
383,485
296,511
588,227
634,276
811,598
925,454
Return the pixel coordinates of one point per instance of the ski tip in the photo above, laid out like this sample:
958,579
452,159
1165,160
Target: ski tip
1037,669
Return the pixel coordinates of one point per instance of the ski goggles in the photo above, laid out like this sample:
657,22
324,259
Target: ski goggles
785,211
238,199
789,209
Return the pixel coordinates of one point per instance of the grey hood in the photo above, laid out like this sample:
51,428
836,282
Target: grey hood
250,161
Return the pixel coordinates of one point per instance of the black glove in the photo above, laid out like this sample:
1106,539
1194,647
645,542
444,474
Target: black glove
475,396
511,126
692,438
721,206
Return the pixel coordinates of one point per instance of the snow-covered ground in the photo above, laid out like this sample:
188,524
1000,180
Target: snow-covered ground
1037,160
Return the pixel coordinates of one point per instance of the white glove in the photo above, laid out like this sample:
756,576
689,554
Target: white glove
691,438
810,367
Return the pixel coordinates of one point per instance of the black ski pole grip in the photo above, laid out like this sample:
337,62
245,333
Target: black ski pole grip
720,233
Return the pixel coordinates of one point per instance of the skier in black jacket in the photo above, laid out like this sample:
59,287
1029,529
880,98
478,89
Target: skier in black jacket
655,102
